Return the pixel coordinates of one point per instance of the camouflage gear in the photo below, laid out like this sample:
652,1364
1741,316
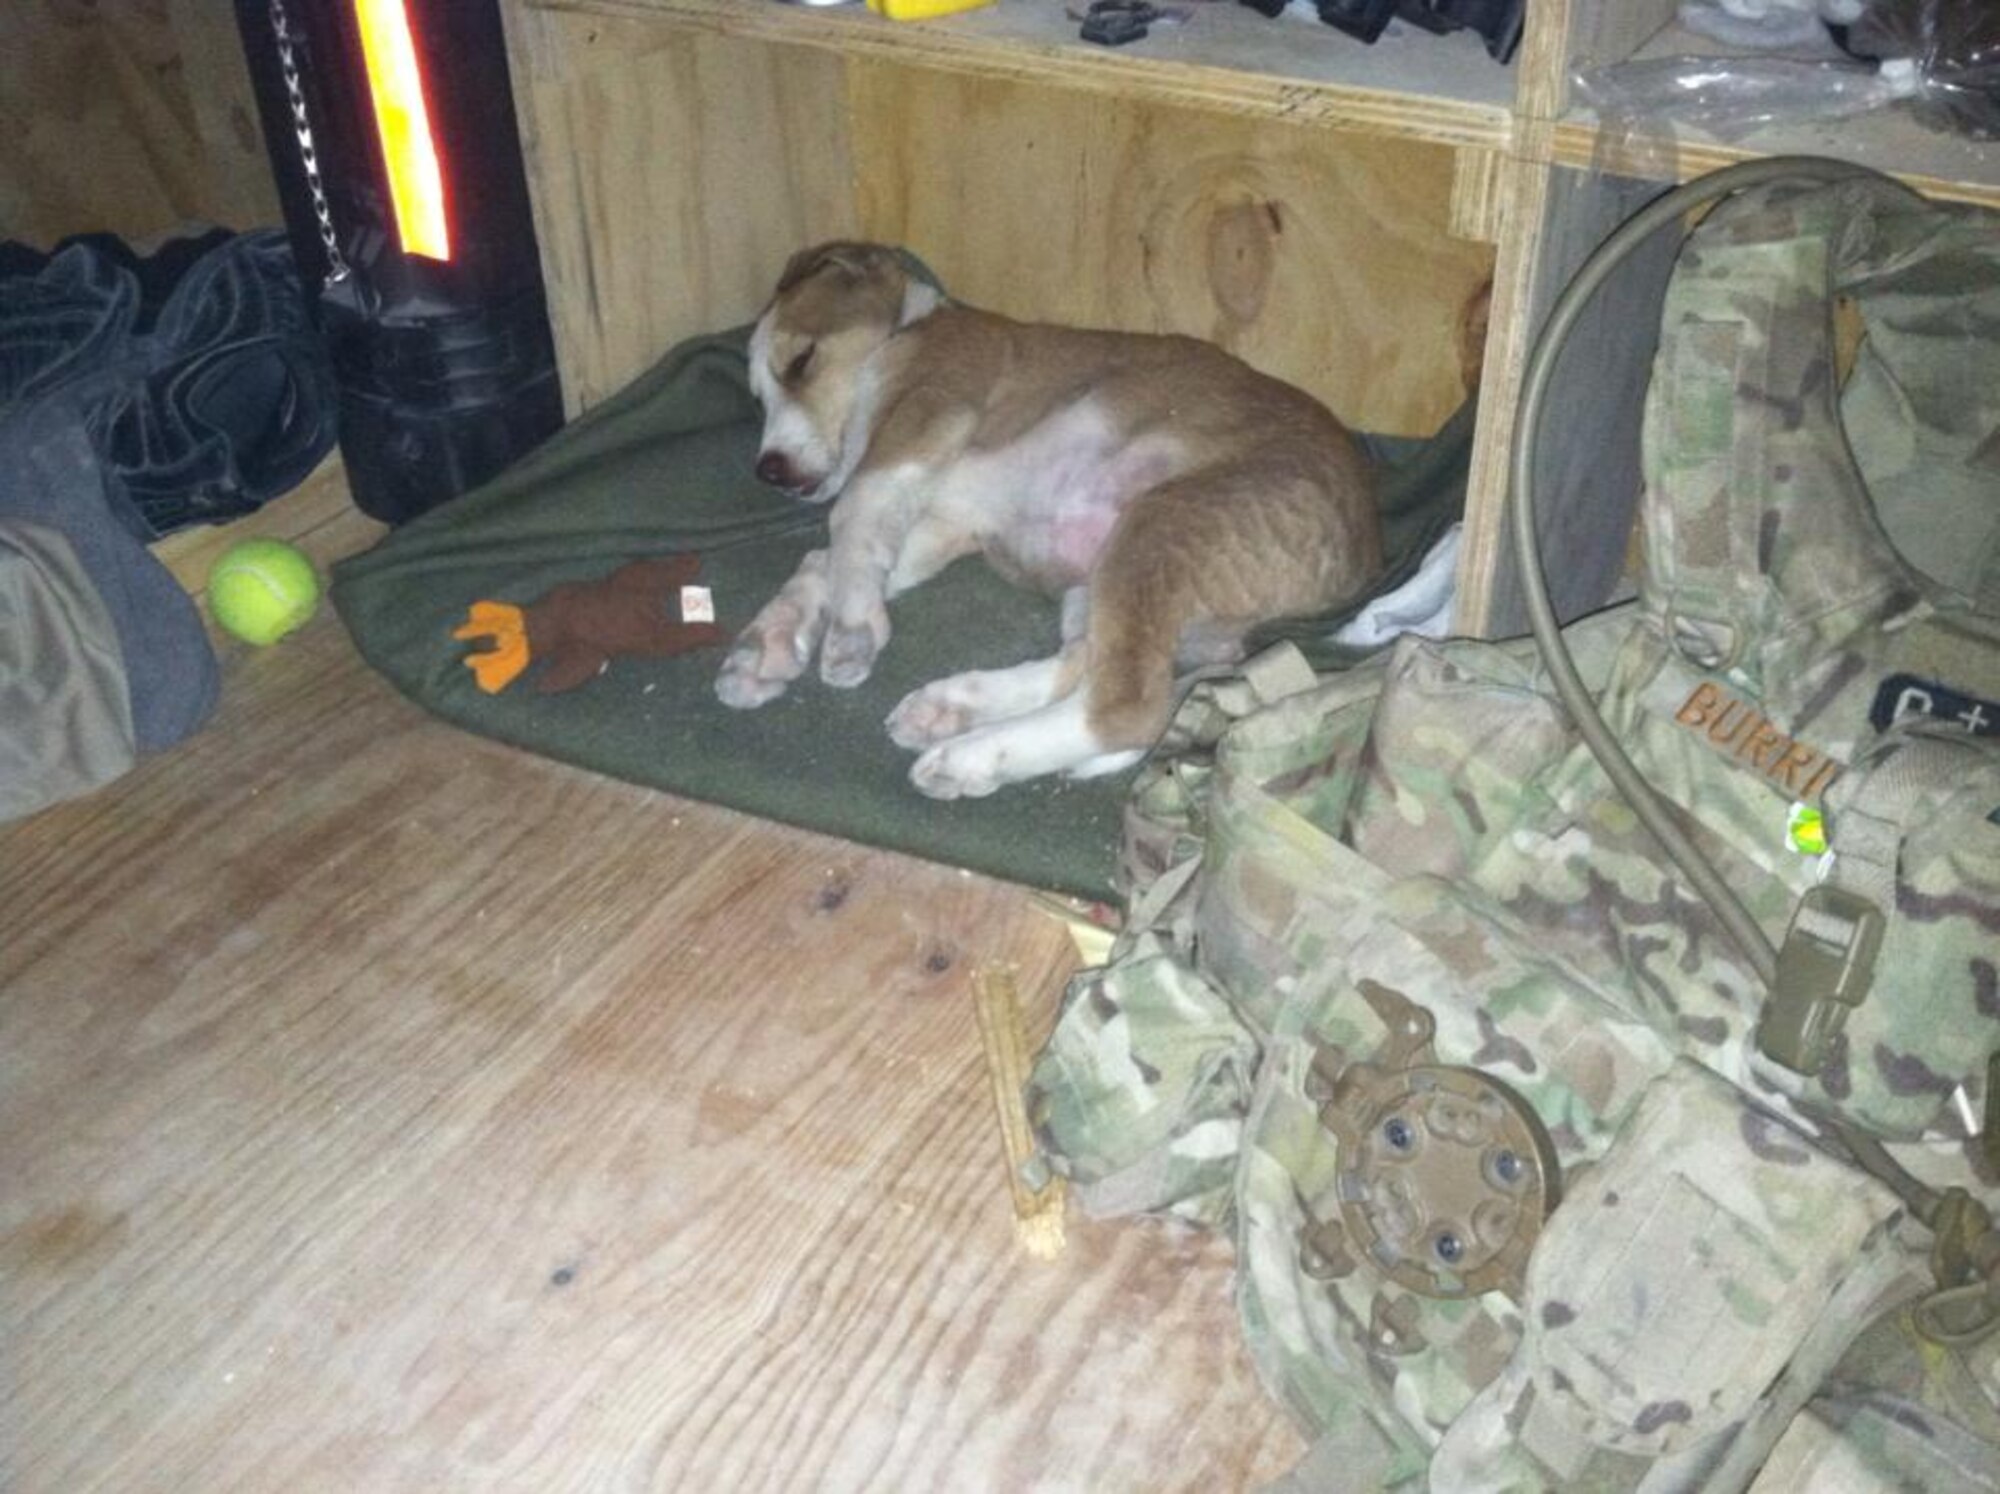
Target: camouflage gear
1413,1006
1150,1087
1770,581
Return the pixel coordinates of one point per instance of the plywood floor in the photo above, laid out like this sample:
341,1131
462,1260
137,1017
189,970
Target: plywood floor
382,1109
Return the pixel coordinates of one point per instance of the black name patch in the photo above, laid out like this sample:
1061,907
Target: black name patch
1905,695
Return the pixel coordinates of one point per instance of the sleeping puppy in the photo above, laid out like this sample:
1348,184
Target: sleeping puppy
1170,495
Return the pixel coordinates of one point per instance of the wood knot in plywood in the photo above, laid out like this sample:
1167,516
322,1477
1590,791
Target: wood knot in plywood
1242,256
834,891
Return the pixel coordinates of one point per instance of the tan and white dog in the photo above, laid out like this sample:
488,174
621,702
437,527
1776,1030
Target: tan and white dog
1169,494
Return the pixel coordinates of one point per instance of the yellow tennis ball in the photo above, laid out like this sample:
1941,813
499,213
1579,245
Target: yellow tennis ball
262,589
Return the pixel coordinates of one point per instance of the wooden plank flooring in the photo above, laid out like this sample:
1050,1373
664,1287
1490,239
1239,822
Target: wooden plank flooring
383,1109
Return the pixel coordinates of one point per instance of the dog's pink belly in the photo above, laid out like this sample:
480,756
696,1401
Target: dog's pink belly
1057,553
1051,503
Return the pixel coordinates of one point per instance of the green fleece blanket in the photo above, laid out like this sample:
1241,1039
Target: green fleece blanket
666,466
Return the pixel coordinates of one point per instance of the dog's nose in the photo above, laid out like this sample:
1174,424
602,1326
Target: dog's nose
774,469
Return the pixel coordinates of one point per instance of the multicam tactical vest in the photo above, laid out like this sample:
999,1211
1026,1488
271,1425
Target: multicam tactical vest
1520,1157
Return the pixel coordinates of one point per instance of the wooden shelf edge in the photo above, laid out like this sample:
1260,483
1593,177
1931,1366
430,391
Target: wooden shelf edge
1579,144
1294,100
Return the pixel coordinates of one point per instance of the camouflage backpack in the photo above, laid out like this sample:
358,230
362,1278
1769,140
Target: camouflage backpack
1531,1183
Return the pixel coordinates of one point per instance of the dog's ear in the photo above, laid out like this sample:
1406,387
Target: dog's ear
799,266
858,261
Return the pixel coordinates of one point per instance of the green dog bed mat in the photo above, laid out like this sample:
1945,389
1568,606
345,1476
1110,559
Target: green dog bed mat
665,466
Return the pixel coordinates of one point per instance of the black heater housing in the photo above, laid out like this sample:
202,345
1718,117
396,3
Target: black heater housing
446,367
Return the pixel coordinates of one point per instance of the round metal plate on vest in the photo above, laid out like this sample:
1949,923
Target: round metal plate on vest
1446,1180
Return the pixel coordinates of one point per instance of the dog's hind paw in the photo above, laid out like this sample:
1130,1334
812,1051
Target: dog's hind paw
925,717
956,769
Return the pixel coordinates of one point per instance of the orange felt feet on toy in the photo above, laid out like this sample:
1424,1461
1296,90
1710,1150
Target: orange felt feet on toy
501,623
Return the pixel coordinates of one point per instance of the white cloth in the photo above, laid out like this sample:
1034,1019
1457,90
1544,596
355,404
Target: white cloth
1421,605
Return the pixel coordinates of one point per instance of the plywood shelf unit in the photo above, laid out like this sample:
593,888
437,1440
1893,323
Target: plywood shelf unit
1223,56
1269,185
1344,216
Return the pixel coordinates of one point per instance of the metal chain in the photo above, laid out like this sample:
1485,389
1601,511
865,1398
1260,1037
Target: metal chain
336,263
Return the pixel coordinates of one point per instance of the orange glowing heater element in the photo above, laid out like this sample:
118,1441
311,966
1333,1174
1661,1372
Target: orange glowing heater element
415,182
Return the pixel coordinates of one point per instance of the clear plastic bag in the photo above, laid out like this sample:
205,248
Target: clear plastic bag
1954,47
1729,97
1942,57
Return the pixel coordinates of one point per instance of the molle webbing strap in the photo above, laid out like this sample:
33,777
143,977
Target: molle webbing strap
1876,805
1277,672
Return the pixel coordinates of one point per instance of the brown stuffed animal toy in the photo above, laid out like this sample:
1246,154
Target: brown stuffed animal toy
577,630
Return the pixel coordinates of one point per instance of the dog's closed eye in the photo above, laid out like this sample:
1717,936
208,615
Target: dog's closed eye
796,369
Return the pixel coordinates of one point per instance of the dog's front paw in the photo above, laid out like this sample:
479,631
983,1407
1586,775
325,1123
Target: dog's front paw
847,657
927,716
961,768
768,656
742,687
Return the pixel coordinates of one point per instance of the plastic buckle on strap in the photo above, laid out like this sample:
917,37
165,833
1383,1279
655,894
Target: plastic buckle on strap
1824,969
